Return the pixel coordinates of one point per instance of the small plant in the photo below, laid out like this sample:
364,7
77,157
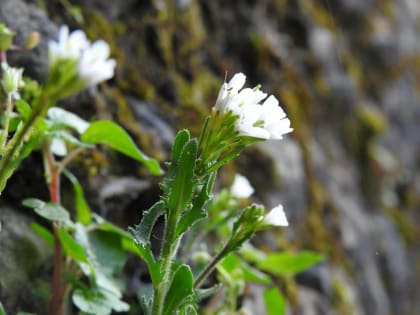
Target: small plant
89,251
240,118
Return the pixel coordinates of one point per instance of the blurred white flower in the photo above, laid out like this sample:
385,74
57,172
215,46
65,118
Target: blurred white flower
93,63
58,147
241,188
276,217
68,46
263,121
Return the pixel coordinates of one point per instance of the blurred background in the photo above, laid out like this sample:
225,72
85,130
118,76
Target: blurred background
347,73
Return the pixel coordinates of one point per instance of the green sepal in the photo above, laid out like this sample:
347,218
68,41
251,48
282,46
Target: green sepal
183,183
111,134
180,289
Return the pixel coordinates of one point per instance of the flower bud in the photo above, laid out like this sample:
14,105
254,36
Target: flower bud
12,79
6,37
32,41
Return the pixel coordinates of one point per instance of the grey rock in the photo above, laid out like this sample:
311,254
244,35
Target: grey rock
24,18
23,257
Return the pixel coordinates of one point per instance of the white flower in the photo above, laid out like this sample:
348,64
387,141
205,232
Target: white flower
68,46
263,121
276,217
93,63
241,188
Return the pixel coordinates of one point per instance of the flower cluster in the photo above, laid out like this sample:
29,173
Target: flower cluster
92,59
265,120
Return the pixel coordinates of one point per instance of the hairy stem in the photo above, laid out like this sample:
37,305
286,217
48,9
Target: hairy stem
169,250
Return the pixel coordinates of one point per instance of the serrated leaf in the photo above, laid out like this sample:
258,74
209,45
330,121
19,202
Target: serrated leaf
109,133
197,212
83,212
284,263
61,116
71,247
275,302
48,210
181,287
181,139
182,186
46,235
142,231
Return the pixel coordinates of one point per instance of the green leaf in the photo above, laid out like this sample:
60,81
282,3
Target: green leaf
181,287
181,139
46,235
282,264
48,210
198,211
142,231
109,133
182,186
71,247
201,294
91,302
67,137
60,116
275,303
2,311
233,261
24,109
108,251
83,213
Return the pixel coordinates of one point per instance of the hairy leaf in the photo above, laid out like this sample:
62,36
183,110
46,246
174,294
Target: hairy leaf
181,287
183,184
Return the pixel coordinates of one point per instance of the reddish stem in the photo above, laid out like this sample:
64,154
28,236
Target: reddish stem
56,302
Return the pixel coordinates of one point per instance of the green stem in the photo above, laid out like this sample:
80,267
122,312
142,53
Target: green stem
7,159
7,123
169,250
210,267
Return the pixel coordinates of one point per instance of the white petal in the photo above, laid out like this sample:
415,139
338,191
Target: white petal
58,147
237,82
276,217
241,188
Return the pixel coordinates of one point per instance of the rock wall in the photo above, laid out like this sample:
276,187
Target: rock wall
348,74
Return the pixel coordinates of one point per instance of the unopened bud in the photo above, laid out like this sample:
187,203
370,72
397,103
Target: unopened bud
32,41
12,79
6,37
